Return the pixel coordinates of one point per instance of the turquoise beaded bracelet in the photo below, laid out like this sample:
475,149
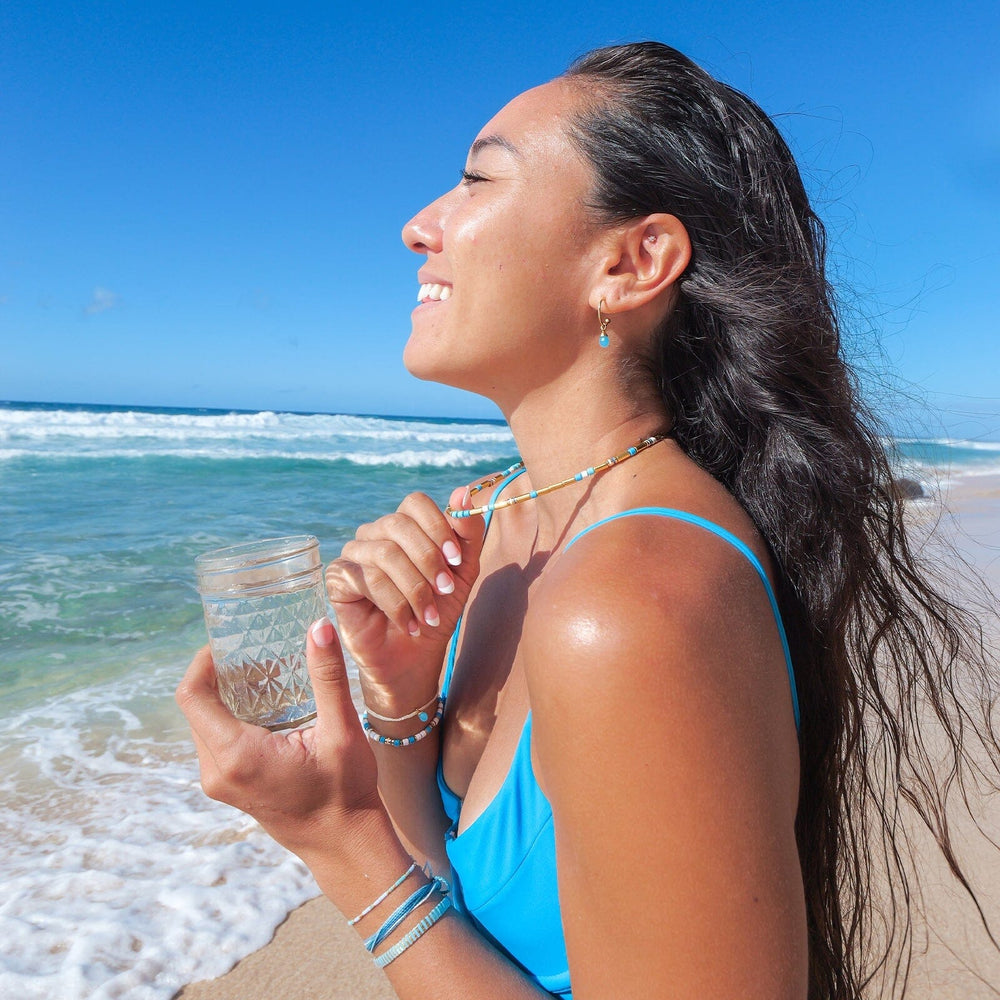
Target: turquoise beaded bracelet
405,741
419,931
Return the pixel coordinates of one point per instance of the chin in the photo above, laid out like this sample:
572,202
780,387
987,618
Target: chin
419,362
441,367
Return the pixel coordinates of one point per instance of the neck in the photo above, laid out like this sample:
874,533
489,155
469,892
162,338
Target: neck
562,429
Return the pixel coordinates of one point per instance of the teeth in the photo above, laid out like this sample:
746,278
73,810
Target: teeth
434,293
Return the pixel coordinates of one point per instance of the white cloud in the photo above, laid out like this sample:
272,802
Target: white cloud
102,300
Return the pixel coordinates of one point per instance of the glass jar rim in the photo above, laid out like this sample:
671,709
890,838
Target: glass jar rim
256,553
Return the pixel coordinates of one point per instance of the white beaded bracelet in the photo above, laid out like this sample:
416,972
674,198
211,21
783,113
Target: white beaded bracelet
385,895
417,932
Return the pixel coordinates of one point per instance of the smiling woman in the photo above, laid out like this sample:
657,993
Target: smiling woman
621,742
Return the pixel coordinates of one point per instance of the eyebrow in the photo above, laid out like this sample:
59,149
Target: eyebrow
485,141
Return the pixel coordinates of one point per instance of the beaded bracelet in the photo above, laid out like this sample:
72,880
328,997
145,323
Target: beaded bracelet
407,740
385,895
423,713
419,931
437,884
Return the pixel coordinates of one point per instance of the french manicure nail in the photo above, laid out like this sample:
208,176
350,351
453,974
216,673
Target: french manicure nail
431,617
444,583
322,632
452,553
413,628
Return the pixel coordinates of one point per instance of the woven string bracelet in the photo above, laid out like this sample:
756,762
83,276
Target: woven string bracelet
385,895
423,713
437,884
404,741
419,931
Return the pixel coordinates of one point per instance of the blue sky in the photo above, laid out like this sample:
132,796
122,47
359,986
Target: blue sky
200,204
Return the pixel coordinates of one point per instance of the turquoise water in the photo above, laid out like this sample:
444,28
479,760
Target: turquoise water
120,878
104,512
944,458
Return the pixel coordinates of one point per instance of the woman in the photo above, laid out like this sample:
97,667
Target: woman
617,800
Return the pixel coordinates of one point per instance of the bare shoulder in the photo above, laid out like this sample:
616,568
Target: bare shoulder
663,611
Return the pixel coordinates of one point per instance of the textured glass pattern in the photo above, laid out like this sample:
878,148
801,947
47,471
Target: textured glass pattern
259,648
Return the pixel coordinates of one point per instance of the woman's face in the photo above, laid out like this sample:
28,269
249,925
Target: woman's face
510,256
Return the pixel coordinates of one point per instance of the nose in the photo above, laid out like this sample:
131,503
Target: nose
424,232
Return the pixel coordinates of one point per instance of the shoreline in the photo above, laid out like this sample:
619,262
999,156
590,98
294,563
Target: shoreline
953,958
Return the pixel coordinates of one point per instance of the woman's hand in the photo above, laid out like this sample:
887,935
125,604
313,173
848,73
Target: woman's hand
399,588
313,790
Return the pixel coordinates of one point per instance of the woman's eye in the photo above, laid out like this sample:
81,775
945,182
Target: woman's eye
470,178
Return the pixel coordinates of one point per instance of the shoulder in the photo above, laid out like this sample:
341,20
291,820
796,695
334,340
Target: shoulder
665,624
652,590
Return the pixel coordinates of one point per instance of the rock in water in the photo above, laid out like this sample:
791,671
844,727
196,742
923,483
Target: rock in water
908,489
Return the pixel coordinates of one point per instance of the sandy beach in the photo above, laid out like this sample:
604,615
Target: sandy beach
315,956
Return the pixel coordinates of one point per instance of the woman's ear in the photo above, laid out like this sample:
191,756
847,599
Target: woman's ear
645,259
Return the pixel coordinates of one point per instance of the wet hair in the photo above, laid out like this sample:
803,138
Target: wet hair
750,366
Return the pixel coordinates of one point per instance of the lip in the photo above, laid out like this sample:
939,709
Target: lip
426,278
427,304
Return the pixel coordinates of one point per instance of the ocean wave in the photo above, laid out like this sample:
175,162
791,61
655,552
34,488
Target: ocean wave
42,425
950,443
938,470
366,441
410,459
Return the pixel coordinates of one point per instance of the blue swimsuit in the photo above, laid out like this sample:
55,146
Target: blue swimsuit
503,866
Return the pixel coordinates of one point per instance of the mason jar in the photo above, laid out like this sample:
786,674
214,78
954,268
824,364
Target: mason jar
260,599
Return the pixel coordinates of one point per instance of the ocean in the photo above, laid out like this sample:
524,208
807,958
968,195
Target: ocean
118,877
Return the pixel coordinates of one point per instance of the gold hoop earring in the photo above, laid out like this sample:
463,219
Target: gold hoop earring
605,322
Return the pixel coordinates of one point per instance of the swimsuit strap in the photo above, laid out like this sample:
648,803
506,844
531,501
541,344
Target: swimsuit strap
740,546
453,645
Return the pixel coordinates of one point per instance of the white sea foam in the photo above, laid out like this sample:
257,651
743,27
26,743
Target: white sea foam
61,434
120,878
408,459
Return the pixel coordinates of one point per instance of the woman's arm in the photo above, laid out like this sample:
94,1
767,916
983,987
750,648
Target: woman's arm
663,737
315,792
398,591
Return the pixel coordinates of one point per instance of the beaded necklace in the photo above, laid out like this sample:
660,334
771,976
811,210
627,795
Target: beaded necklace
579,477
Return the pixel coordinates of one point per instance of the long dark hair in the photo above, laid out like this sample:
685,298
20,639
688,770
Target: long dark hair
751,368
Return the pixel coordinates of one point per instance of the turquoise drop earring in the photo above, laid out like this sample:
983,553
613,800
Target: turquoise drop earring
605,322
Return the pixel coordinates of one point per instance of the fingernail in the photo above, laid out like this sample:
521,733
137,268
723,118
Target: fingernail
322,633
431,617
452,553
445,584
413,628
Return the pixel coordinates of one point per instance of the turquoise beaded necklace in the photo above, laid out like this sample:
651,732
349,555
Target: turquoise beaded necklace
578,477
